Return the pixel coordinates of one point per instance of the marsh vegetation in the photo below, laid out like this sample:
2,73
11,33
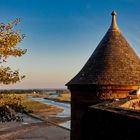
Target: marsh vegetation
12,105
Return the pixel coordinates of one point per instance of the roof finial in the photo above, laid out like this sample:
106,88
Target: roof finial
114,25
114,13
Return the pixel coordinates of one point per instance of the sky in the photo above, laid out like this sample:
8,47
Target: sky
62,34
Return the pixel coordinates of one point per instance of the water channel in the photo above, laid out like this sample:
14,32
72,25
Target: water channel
65,106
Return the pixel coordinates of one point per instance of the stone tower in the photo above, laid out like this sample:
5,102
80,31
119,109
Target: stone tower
112,71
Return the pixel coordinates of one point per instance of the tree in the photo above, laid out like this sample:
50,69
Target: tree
8,42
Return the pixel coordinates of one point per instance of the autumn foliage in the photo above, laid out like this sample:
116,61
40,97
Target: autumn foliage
8,47
10,106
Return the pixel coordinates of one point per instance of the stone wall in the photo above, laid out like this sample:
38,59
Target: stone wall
84,96
110,124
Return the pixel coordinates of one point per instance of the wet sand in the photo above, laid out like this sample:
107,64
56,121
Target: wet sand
32,129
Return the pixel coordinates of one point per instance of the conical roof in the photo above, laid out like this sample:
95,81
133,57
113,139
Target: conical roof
113,62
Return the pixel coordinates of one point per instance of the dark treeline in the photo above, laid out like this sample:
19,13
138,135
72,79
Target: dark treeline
43,91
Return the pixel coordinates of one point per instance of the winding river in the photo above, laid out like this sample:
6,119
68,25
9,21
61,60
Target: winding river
65,106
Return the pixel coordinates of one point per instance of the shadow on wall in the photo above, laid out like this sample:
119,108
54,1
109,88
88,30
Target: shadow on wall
101,124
